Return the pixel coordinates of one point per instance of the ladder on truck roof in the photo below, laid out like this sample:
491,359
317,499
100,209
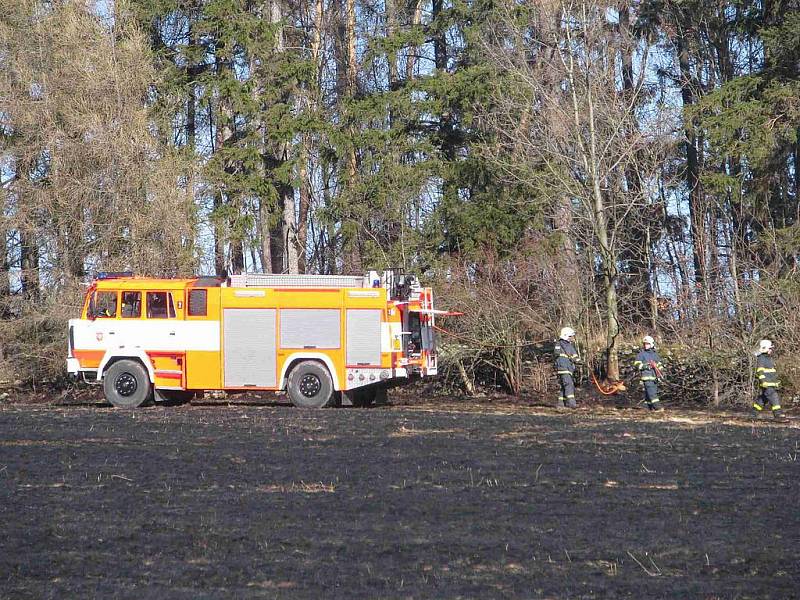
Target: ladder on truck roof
297,281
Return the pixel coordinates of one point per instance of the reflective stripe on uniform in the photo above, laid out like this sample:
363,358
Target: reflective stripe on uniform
769,384
573,395
564,372
637,363
758,407
654,400
766,370
648,378
776,407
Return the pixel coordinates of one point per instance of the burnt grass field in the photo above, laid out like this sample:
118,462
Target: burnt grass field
429,501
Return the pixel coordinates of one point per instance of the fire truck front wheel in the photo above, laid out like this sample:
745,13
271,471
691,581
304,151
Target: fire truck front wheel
126,384
310,385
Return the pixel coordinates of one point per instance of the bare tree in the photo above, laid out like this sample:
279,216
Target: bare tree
87,185
581,137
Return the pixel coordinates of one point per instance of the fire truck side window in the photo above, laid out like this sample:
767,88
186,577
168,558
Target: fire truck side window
198,303
160,306
131,305
104,305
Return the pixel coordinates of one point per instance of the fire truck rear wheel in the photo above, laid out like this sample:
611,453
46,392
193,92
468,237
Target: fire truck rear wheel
310,385
126,384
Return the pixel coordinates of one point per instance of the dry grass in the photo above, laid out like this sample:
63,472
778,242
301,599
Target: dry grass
410,432
268,584
301,487
62,443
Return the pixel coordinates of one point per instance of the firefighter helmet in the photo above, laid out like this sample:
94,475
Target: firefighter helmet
567,332
648,339
764,346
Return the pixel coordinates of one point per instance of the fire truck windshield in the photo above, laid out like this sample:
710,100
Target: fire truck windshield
103,305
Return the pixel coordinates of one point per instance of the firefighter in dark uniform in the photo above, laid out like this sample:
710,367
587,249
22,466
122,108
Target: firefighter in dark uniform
566,356
768,382
648,362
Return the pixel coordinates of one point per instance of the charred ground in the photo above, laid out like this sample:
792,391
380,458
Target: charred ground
441,501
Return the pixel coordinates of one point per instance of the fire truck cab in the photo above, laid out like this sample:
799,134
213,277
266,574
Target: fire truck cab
325,339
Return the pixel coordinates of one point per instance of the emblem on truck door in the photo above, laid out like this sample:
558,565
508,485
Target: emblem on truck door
99,336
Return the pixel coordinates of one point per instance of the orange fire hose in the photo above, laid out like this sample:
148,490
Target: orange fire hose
611,389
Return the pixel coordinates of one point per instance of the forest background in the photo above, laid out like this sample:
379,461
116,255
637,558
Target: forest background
622,167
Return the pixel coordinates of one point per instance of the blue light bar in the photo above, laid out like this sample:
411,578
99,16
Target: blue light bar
113,274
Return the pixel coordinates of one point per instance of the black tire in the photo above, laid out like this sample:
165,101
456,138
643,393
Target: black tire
310,385
126,384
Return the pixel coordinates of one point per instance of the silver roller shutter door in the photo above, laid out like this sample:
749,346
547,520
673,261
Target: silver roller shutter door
363,337
311,328
250,353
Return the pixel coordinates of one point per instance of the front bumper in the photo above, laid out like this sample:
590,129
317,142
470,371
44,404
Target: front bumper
73,366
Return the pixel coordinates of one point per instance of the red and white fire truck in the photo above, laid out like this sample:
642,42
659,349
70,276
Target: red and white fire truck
324,339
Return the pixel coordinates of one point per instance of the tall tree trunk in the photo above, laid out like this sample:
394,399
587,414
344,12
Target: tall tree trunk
191,139
637,250
796,173
608,257
352,58
283,244
219,237
696,209
568,263
237,255
313,106
277,241
5,263
391,31
439,39
222,120
328,257
305,205
290,231
29,261
351,252
265,237
416,19
599,220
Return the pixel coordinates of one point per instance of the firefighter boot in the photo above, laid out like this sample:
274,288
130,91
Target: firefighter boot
770,396
777,414
757,410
